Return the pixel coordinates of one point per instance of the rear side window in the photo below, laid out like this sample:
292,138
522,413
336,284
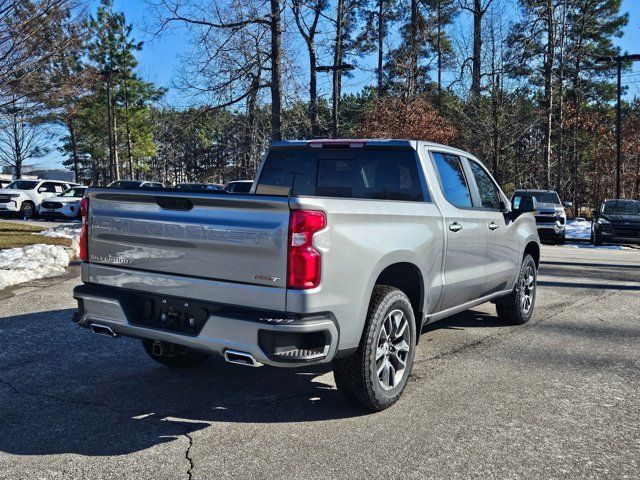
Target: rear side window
453,181
489,195
368,173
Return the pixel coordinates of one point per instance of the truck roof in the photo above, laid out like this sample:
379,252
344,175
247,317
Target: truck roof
401,143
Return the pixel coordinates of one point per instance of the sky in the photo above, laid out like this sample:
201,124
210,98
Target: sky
160,57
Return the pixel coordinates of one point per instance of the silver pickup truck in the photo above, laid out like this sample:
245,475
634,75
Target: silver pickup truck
340,253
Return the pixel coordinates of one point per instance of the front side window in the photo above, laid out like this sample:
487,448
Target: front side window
49,187
489,194
452,179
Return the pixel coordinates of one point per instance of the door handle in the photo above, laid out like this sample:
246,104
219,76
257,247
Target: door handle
493,226
455,227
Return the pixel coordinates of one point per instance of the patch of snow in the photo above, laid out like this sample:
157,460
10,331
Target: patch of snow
599,247
19,265
578,229
66,230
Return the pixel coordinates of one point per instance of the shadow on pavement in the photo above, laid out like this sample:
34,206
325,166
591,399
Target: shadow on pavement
64,389
597,286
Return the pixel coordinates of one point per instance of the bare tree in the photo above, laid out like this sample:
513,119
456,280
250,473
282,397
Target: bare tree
23,134
308,28
477,8
228,22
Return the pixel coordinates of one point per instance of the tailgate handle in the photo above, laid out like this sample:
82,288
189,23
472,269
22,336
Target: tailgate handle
173,203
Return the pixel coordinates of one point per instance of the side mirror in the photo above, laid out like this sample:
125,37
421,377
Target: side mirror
567,204
524,204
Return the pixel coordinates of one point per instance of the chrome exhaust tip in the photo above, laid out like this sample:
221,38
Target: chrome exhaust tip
103,330
241,358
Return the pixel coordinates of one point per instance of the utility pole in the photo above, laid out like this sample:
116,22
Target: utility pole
337,71
619,59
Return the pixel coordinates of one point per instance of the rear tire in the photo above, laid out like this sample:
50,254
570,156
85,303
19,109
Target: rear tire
517,307
376,374
174,356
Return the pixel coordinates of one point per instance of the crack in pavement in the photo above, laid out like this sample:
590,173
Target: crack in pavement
48,396
187,455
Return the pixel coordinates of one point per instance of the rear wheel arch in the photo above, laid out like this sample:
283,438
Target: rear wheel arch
533,249
406,277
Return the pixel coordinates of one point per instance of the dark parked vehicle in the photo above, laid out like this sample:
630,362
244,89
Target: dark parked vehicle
200,186
616,221
135,184
239,186
551,219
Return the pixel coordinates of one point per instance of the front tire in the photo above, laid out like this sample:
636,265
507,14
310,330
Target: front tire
517,307
27,210
376,374
172,355
595,238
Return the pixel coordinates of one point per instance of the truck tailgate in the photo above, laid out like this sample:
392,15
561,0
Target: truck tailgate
234,238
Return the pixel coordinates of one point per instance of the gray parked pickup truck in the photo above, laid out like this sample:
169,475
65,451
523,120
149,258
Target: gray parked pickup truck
551,218
340,253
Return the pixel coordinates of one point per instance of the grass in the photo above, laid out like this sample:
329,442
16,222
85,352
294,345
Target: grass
14,235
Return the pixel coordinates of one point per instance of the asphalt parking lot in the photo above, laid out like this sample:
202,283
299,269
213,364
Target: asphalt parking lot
559,397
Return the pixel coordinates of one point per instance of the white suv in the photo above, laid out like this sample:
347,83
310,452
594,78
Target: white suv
25,196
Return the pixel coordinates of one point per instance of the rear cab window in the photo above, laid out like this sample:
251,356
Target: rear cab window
453,180
368,173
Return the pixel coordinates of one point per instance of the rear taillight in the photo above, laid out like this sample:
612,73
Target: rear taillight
304,260
84,233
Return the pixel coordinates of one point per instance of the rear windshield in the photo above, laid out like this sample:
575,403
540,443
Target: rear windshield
620,207
368,173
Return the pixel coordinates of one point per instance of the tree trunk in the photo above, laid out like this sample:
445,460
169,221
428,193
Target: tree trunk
337,73
439,52
74,147
128,129
110,126
477,51
276,75
116,160
548,90
381,28
249,167
313,92
413,55
559,160
17,158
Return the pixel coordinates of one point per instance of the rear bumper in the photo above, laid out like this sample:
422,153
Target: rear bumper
268,336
